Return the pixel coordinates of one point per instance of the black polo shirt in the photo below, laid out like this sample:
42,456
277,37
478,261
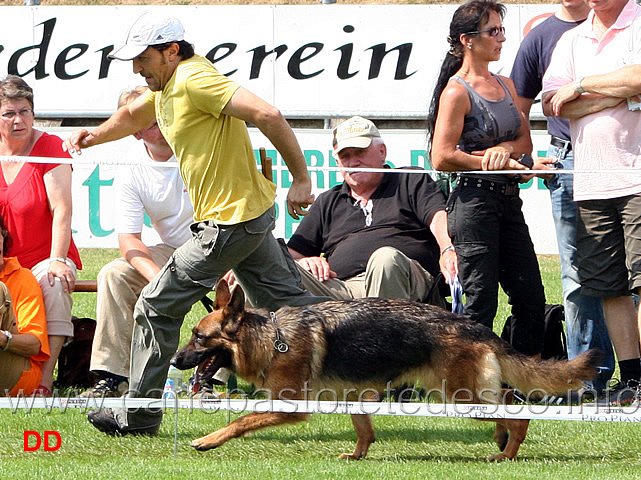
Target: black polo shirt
403,208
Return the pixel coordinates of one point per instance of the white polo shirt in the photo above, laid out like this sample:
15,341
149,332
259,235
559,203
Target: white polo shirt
159,192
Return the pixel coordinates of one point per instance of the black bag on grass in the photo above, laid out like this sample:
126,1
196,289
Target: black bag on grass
554,341
75,356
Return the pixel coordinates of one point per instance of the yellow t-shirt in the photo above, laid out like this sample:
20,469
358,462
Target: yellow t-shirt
213,150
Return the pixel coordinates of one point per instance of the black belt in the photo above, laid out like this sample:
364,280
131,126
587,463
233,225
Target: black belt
509,189
560,143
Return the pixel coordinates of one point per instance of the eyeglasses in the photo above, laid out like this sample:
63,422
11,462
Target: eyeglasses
492,32
10,115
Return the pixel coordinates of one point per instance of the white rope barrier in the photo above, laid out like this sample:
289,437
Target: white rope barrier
123,163
81,161
585,412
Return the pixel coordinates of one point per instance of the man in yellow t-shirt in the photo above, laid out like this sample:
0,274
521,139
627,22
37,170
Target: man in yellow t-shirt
202,115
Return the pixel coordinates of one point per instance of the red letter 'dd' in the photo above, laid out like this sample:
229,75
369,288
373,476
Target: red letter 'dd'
27,434
49,448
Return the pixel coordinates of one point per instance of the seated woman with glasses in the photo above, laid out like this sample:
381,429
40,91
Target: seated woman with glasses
474,124
35,201
24,346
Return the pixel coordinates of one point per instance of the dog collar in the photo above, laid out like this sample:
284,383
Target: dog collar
279,345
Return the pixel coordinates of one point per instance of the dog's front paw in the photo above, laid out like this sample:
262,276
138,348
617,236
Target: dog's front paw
349,456
205,443
499,457
200,446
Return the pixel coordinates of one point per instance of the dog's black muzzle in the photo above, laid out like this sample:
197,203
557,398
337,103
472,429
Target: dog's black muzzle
208,361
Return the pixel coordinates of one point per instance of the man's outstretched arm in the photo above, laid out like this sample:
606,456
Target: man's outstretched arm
127,120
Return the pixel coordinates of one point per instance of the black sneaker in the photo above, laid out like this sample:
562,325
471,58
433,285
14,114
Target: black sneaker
107,387
105,421
621,394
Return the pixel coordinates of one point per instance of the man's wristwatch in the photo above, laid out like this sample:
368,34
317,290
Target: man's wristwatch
577,85
9,336
526,160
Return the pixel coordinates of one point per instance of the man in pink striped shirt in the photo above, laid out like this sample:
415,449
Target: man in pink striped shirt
593,79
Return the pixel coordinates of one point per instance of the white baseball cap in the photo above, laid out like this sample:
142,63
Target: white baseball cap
147,30
357,132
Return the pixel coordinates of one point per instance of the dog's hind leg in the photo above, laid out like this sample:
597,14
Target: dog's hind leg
501,433
509,434
246,424
366,436
501,436
517,431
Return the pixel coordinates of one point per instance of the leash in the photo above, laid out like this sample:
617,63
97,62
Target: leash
456,291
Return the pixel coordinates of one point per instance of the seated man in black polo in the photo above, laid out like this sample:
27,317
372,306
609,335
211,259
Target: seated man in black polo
378,234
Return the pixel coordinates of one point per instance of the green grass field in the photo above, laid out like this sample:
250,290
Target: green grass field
406,447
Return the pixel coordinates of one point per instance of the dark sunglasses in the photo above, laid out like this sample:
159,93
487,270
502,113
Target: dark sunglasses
492,32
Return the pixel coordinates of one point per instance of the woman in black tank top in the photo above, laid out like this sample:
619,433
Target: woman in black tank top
474,125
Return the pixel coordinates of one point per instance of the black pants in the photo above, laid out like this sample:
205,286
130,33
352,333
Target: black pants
494,247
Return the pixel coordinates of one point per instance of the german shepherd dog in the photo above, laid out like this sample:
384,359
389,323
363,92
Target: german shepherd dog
366,345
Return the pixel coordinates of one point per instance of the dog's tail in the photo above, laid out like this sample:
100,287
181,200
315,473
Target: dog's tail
547,377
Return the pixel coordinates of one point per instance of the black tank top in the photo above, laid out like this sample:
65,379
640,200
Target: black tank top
489,123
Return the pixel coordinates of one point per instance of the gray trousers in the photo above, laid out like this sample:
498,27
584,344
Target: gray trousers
262,266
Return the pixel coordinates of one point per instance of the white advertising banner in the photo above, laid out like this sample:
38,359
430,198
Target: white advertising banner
320,61
95,205
378,61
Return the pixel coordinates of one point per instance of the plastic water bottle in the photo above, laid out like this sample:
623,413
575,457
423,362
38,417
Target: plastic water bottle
173,384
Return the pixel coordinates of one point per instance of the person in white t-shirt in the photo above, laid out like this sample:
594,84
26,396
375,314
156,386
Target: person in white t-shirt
161,194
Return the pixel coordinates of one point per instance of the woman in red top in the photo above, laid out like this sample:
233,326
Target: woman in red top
35,201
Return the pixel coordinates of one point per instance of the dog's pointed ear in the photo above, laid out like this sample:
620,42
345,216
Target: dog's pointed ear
234,311
222,295
237,303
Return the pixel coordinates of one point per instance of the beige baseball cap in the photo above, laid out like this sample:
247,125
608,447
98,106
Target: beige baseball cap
357,132
149,29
